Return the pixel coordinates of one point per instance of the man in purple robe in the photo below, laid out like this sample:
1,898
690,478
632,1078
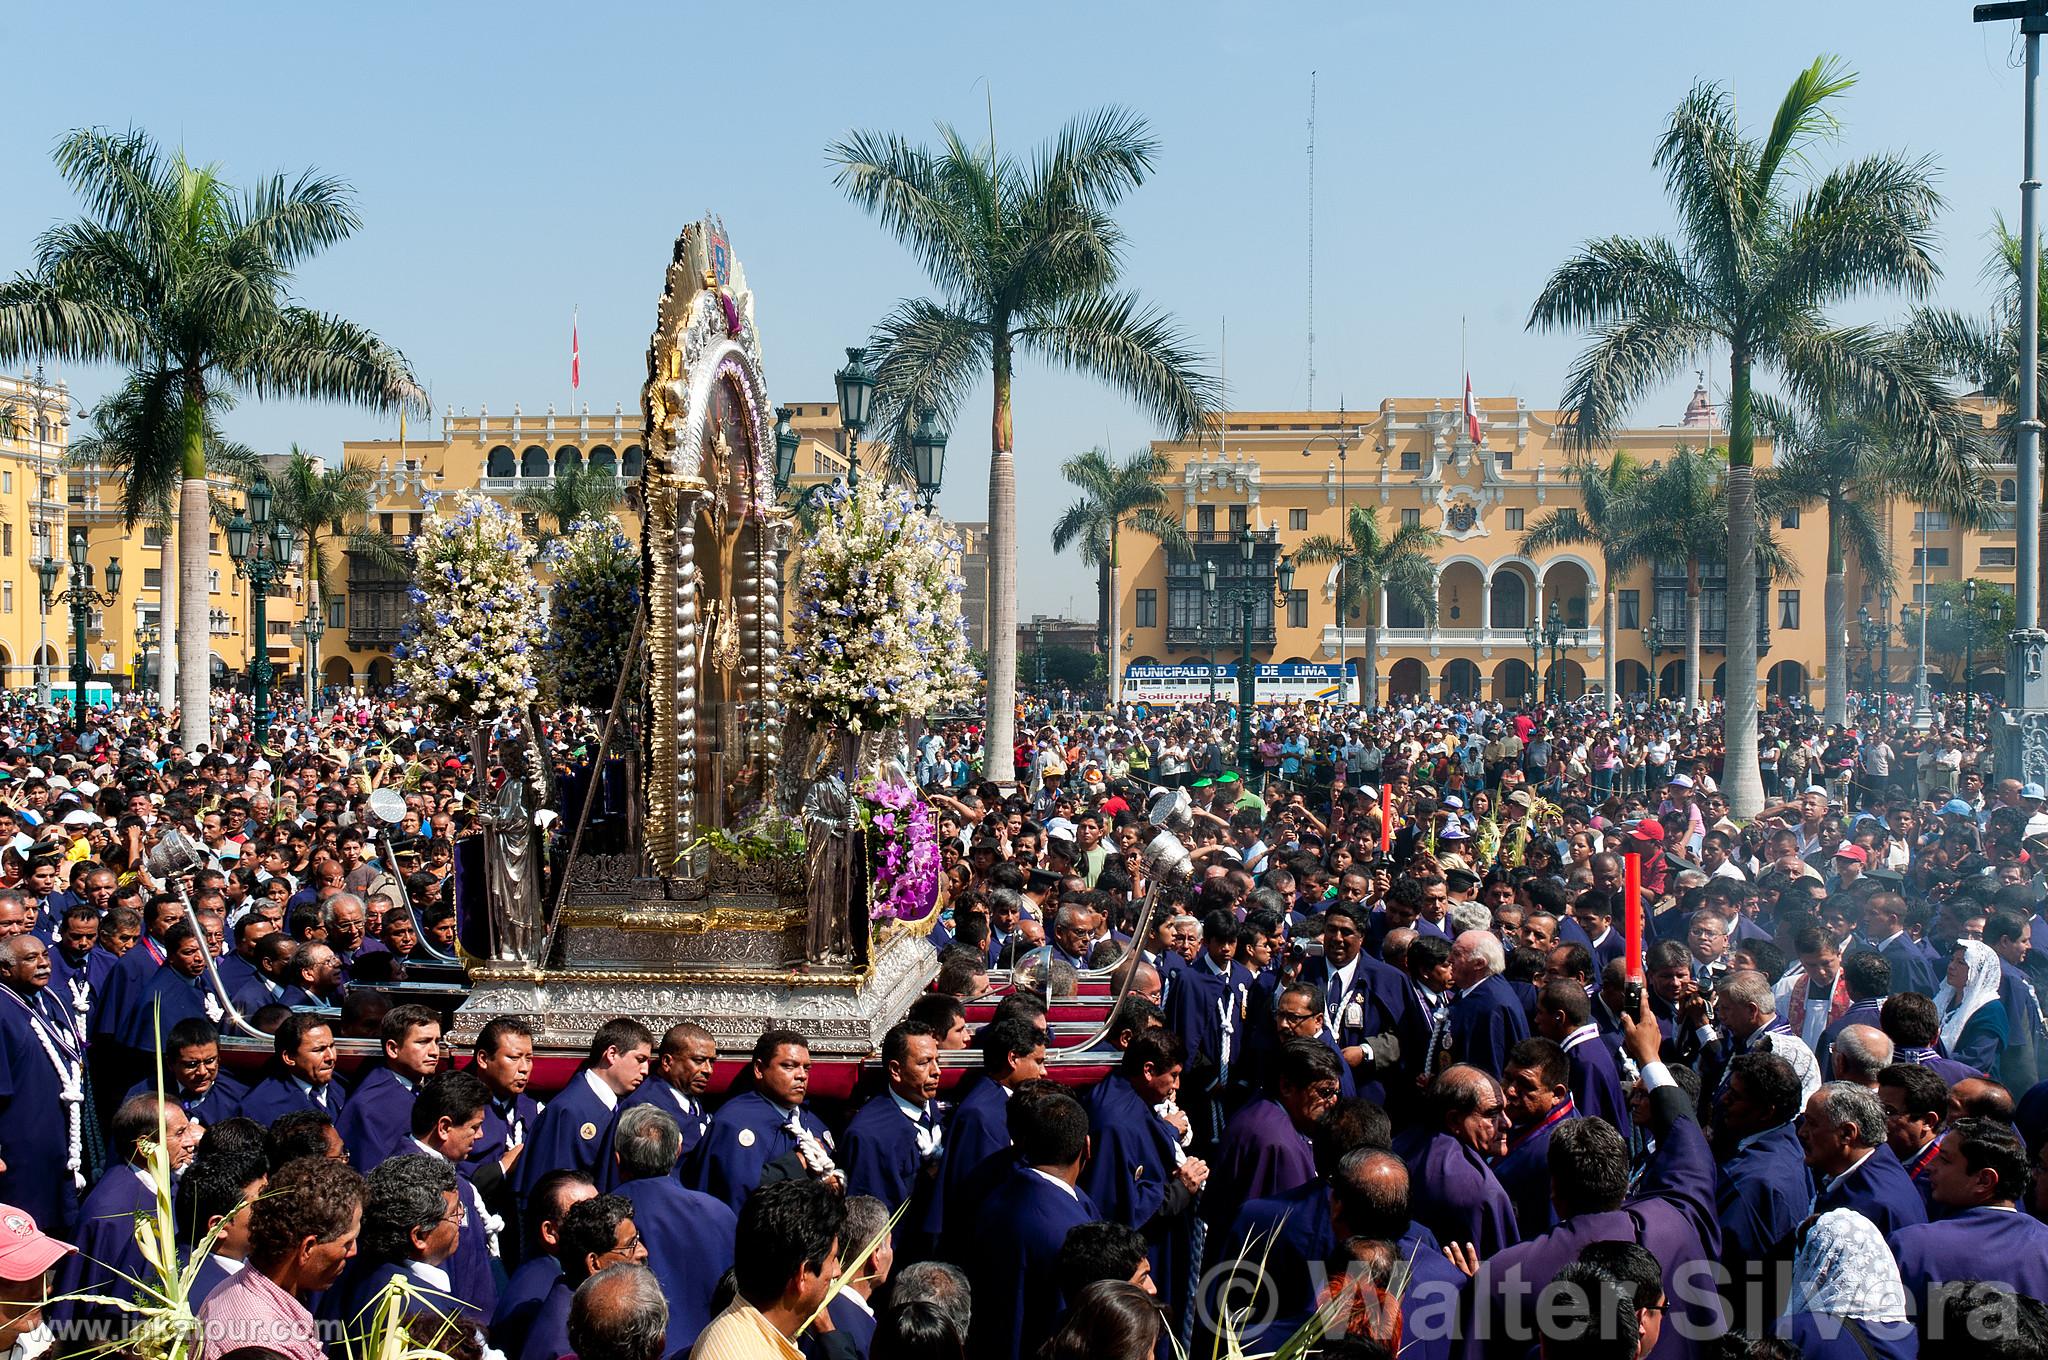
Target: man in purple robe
1564,1015
1365,1001
1012,1266
1484,1019
1538,1100
1266,1148
677,1083
41,1091
894,1147
377,1122
1449,1157
1915,1104
109,1249
1671,1216
978,1156
1844,1137
1978,1177
1763,1190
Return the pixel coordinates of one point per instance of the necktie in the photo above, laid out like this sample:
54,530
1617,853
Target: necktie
1438,1027
320,1096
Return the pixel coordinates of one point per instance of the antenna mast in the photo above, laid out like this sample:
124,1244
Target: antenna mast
1311,240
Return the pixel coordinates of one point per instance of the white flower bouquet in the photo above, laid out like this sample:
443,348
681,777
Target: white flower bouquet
877,637
471,649
597,590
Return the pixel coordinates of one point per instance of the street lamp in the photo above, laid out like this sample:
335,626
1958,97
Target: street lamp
1533,635
147,635
856,384
314,628
1209,623
82,599
263,550
1342,438
1248,596
1653,642
1554,633
928,458
1884,646
1875,631
786,442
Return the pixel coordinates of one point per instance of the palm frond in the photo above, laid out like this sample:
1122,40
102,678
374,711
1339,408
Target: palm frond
1803,117
318,355
291,220
1137,350
924,201
1626,359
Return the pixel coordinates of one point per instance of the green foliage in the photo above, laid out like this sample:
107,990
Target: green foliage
769,838
1957,624
570,496
1074,667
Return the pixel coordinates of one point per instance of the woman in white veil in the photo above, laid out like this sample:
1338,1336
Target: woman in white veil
1847,1301
1973,1022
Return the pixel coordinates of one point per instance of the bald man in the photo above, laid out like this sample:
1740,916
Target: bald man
1449,1156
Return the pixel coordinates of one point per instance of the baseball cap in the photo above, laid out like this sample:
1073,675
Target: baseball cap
1852,853
1679,781
1648,829
1453,832
1454,801
1956,807
1523,797
26,1251
2034,791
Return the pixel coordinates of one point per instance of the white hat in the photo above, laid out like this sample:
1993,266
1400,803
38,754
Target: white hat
86,788
80,817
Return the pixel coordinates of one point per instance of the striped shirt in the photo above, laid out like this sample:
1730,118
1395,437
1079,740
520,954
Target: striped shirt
742,1333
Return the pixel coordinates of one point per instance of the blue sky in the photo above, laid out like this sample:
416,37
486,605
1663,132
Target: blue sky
514,161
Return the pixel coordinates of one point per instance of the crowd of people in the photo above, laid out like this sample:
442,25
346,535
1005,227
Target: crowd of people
1379,1064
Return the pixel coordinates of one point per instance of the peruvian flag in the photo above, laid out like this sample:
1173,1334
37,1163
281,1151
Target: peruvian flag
576,359
1471,412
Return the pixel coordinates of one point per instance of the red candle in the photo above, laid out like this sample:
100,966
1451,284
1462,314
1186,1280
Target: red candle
1386,819
1632,932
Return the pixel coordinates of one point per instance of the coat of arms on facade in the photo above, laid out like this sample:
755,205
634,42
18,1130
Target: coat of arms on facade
1461,516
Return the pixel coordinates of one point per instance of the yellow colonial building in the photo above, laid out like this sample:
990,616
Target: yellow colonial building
42,501
1289,475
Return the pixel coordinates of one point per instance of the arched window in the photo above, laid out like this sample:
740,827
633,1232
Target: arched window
603,461
1510,600
568,457
2008,491
499,463
534,462
636,460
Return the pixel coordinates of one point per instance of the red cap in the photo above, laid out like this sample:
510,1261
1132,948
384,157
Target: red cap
25,1250
1649,829
1853,853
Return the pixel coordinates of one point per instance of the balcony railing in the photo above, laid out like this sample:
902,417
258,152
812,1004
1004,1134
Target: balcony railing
1196,638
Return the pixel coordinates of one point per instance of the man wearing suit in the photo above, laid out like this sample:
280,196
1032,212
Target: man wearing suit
569,1136
1671,1216
689,1235
1884,927
1844,1137
1484,1019
1764,1188
301,1076
1986,1232
894,1146
676,1085
1012,1265
1365,1001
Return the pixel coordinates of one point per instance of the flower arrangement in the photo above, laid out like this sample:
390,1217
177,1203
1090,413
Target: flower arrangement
597,590
877,636
471,649
903,847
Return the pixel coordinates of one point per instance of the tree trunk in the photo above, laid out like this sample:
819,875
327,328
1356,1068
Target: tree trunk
167,613
195,641
1692,635
1835,606
1608,635
1115,686
1741,779
1000,742
1369,693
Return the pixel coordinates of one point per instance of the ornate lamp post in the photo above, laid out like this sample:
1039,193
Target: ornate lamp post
1342,438
1874,632
856,384
147,635
1209,622
928,459
1554,634
1653,642
263,550
1248,596
1884,646
83,599
1533,635
314,627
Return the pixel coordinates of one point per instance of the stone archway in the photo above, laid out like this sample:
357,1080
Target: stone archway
1460,680
1631,678
1787,681
1407,678
1512,681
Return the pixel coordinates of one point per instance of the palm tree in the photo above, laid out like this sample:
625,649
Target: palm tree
176,276
1605,517
1763,250
133,437
1681,515
1985,351
573,494
1115,497
1024,257
319,502
1851,467
1371,563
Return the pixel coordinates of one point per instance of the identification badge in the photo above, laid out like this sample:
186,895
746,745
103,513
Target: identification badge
746,1137
587,1132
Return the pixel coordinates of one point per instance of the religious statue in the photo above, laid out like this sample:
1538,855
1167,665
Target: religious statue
511,863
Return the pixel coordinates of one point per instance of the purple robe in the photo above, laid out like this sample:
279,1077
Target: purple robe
1262,1154
1762,1194
1672,1217
689,1246
35,1134
1525,1171
377,1122
1455,1194
1010,1267
2004,1246
1880,1190
1595,1081
1482,1026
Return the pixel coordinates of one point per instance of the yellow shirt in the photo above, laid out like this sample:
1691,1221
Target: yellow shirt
742,1333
